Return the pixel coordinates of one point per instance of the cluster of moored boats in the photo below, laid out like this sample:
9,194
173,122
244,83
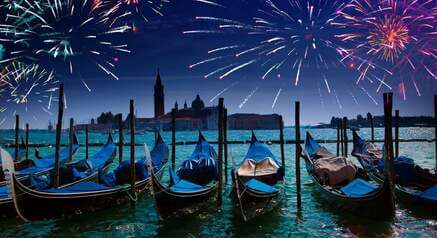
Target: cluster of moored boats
87,185
56,186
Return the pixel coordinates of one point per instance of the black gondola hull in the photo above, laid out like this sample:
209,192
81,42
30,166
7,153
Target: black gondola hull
168,202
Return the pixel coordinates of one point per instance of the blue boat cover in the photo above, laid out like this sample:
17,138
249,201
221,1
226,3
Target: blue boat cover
201,167
358,188
404,169
359,144
259,151
121,175
100,159
184,186
311,146
260,186
48,161
430,193
79,187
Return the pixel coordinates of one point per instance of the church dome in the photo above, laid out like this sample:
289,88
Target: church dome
197,103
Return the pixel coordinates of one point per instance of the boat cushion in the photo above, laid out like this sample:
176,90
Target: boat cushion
123,171
358,187
260,186
404,168
334,170
184,186
430,193
79,187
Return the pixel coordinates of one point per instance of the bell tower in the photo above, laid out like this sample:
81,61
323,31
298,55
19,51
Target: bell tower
159,96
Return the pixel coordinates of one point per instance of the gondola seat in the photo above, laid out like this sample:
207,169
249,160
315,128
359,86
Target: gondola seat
184,186
358,188
260,186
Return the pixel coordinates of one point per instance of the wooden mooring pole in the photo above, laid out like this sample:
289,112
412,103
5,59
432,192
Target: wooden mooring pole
17,135
397,133
27,141
346,152
435,129
281,143
132,144
225,142
58,133
338,137
388,143
173,138
340,123
220,150
70,139
120,139
298,153
86,142
372,129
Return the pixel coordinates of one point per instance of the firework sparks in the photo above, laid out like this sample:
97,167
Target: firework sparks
68,32
223,91
285,36
392,38
276,98
248,98
25,85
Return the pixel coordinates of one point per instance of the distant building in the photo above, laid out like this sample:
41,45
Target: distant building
249,121
159,96
50,127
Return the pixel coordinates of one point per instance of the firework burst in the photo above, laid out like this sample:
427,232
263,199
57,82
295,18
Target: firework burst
23,84
391,40
284,38
64,32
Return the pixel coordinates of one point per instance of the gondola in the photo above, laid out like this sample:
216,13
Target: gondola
110,190
255,179
356,195
70,174
192,186
414,185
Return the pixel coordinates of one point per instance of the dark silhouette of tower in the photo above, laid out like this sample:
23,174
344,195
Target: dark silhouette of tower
159,96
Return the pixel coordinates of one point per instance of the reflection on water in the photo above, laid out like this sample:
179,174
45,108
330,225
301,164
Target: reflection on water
315,219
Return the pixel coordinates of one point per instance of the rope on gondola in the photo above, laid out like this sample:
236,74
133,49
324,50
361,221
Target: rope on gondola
131,197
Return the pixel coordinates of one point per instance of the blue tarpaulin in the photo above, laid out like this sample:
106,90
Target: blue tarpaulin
358,188
404,169
311,146
201,167
260,186
80,187
184,186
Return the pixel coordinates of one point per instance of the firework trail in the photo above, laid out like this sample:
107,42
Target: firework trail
248,98
368,94
392,39
223,91
25,85
276,98
322,103
63,32
337,99
284,36
354,98
121,12
209,3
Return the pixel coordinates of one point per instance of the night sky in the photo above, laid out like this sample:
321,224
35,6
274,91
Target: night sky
161,44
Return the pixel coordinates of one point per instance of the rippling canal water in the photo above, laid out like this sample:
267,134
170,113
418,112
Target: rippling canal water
315,220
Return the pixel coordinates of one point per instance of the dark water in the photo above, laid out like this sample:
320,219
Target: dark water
316,219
